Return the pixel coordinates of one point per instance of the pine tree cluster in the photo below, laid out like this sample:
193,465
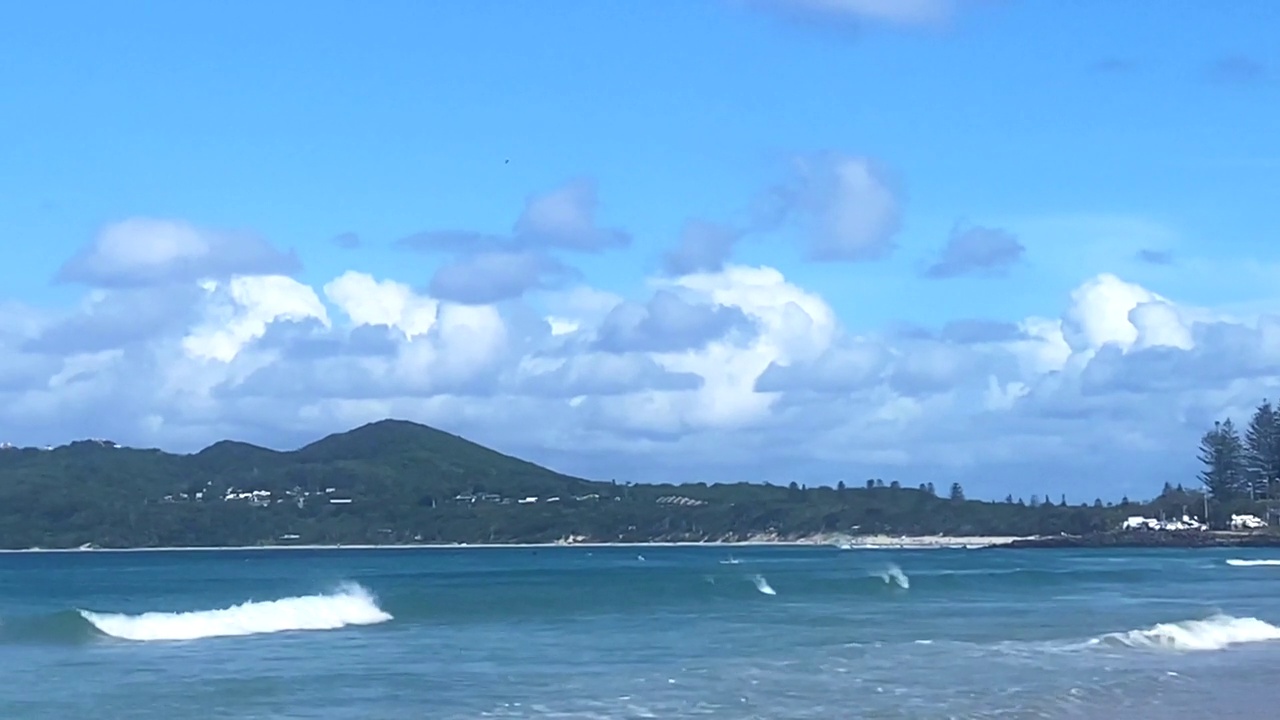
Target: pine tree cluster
1243,466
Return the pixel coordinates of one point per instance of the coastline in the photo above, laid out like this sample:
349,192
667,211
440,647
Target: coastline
842,542
414,546
1147,539
836,541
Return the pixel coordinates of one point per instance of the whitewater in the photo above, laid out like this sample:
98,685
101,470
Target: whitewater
351,605
768,632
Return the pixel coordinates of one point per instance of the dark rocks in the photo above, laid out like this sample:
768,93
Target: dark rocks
1151,539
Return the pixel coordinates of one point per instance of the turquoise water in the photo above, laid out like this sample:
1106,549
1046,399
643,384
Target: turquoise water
626,633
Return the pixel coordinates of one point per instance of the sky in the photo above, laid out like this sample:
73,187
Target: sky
1029,247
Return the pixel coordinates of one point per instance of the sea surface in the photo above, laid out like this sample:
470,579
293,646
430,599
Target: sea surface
658,632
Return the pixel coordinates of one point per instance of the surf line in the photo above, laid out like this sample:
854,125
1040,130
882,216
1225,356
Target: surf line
350,605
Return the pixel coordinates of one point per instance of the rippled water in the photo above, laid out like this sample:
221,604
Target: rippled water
655,633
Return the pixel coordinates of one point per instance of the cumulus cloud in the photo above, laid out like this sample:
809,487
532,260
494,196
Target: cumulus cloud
453,241
565,217
149,251
724,374
703,247
965,332
386,303
844,205
976,250
577,309
489,277
791,325
313,340
852,366
489,267
397,344
108,319
239,312
911,368
1106,310
1200,357
844,208
668,323
602,374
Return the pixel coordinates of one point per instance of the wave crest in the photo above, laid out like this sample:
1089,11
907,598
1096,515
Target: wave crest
1215,633
1236,562
763,585
350,605
893,574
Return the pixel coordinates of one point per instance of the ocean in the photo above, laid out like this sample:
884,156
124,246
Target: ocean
623,632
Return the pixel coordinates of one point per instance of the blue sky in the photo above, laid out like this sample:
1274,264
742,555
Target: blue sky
918,169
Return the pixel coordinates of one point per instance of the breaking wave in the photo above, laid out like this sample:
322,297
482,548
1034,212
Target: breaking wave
59,628
350,605
1236,562
893,574
1215,633
763,585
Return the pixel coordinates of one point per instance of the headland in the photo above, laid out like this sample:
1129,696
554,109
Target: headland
400,484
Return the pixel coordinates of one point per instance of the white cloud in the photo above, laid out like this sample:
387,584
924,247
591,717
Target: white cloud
469,340
565,217
239,313
367,301
845,206
1114,389
792,326
148,251
1107,310
579,307
143,242
1045,349
492,276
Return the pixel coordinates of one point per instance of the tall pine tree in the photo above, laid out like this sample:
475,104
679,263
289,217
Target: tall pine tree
1262,450
1223,454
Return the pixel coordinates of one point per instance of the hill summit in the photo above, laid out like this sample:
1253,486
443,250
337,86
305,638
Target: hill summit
96,492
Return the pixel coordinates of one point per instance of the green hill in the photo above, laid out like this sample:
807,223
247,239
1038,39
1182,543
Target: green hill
400,482
370,484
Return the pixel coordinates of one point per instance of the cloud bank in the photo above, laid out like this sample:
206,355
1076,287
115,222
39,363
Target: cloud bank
722,372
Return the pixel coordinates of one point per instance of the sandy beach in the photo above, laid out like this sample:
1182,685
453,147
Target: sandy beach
926,542
860,542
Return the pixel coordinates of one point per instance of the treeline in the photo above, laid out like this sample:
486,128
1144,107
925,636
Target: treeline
1243,467
956,494
395,482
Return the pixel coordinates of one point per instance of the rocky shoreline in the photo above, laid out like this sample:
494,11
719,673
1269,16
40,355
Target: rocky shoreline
1149,539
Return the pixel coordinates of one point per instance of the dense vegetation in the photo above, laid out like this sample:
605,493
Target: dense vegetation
398,482
1239,468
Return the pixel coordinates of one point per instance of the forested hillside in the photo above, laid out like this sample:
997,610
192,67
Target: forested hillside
399,482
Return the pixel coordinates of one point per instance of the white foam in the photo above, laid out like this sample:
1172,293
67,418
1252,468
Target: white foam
1235,562
350,605
763,585
1215,633
893,574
